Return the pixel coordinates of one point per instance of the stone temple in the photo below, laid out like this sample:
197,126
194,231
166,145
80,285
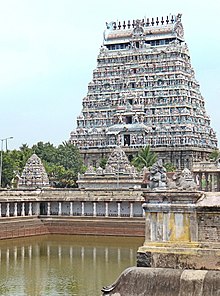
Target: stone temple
144,92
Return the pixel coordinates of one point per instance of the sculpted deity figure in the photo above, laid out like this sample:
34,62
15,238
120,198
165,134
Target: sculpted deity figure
136,119
158,176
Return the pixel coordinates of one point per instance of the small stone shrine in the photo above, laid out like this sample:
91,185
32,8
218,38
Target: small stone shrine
34,174
118,173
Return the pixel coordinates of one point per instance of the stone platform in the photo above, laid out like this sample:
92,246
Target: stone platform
137,281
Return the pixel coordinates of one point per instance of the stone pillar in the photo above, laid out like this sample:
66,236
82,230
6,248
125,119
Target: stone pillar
131,209
193,227
218,182
59,208
30,209
148,227
200,181
15,209
159,224
119,209
94,209
210,181
8,209
23,209
143,213
153,227
37,208
165,228
83,208
213,182
106,209
71,208
206,182
0,209
48,208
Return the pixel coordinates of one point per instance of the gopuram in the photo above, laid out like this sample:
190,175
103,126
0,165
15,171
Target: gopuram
144,92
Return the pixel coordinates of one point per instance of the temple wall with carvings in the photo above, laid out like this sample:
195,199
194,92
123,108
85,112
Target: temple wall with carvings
144,92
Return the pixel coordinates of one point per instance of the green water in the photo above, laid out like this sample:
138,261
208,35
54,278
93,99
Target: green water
63,265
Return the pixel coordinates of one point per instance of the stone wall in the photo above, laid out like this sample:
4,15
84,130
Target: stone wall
97,226
209,226
182,230
15,227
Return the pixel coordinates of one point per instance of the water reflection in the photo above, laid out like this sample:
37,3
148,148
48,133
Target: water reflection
63,265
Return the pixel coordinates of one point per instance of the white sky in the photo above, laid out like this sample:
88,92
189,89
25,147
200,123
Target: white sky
48,50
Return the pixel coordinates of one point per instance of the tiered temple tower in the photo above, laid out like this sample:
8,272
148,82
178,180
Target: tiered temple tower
144,92
34,174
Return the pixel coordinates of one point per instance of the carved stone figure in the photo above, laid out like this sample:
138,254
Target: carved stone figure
157,176
90,170
99,171
183,181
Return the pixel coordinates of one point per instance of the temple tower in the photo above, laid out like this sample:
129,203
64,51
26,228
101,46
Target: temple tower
34,174
144,92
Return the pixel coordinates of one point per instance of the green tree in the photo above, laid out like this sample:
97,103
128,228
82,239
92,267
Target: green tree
169,167
24,153
144,158
46,151
13,163
214,155
102,162
62,163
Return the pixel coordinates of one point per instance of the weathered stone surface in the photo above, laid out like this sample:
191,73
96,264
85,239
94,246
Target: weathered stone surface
136,281
192,256
192,281
144,259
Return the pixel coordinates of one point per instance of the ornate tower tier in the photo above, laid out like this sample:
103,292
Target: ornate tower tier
144,92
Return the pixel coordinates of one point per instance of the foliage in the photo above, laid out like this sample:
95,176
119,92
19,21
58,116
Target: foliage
169,167
62,163
144,158
214,155
103,162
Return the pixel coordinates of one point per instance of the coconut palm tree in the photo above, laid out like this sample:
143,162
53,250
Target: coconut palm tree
144,158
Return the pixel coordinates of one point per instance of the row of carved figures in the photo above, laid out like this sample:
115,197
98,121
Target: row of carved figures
144,22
